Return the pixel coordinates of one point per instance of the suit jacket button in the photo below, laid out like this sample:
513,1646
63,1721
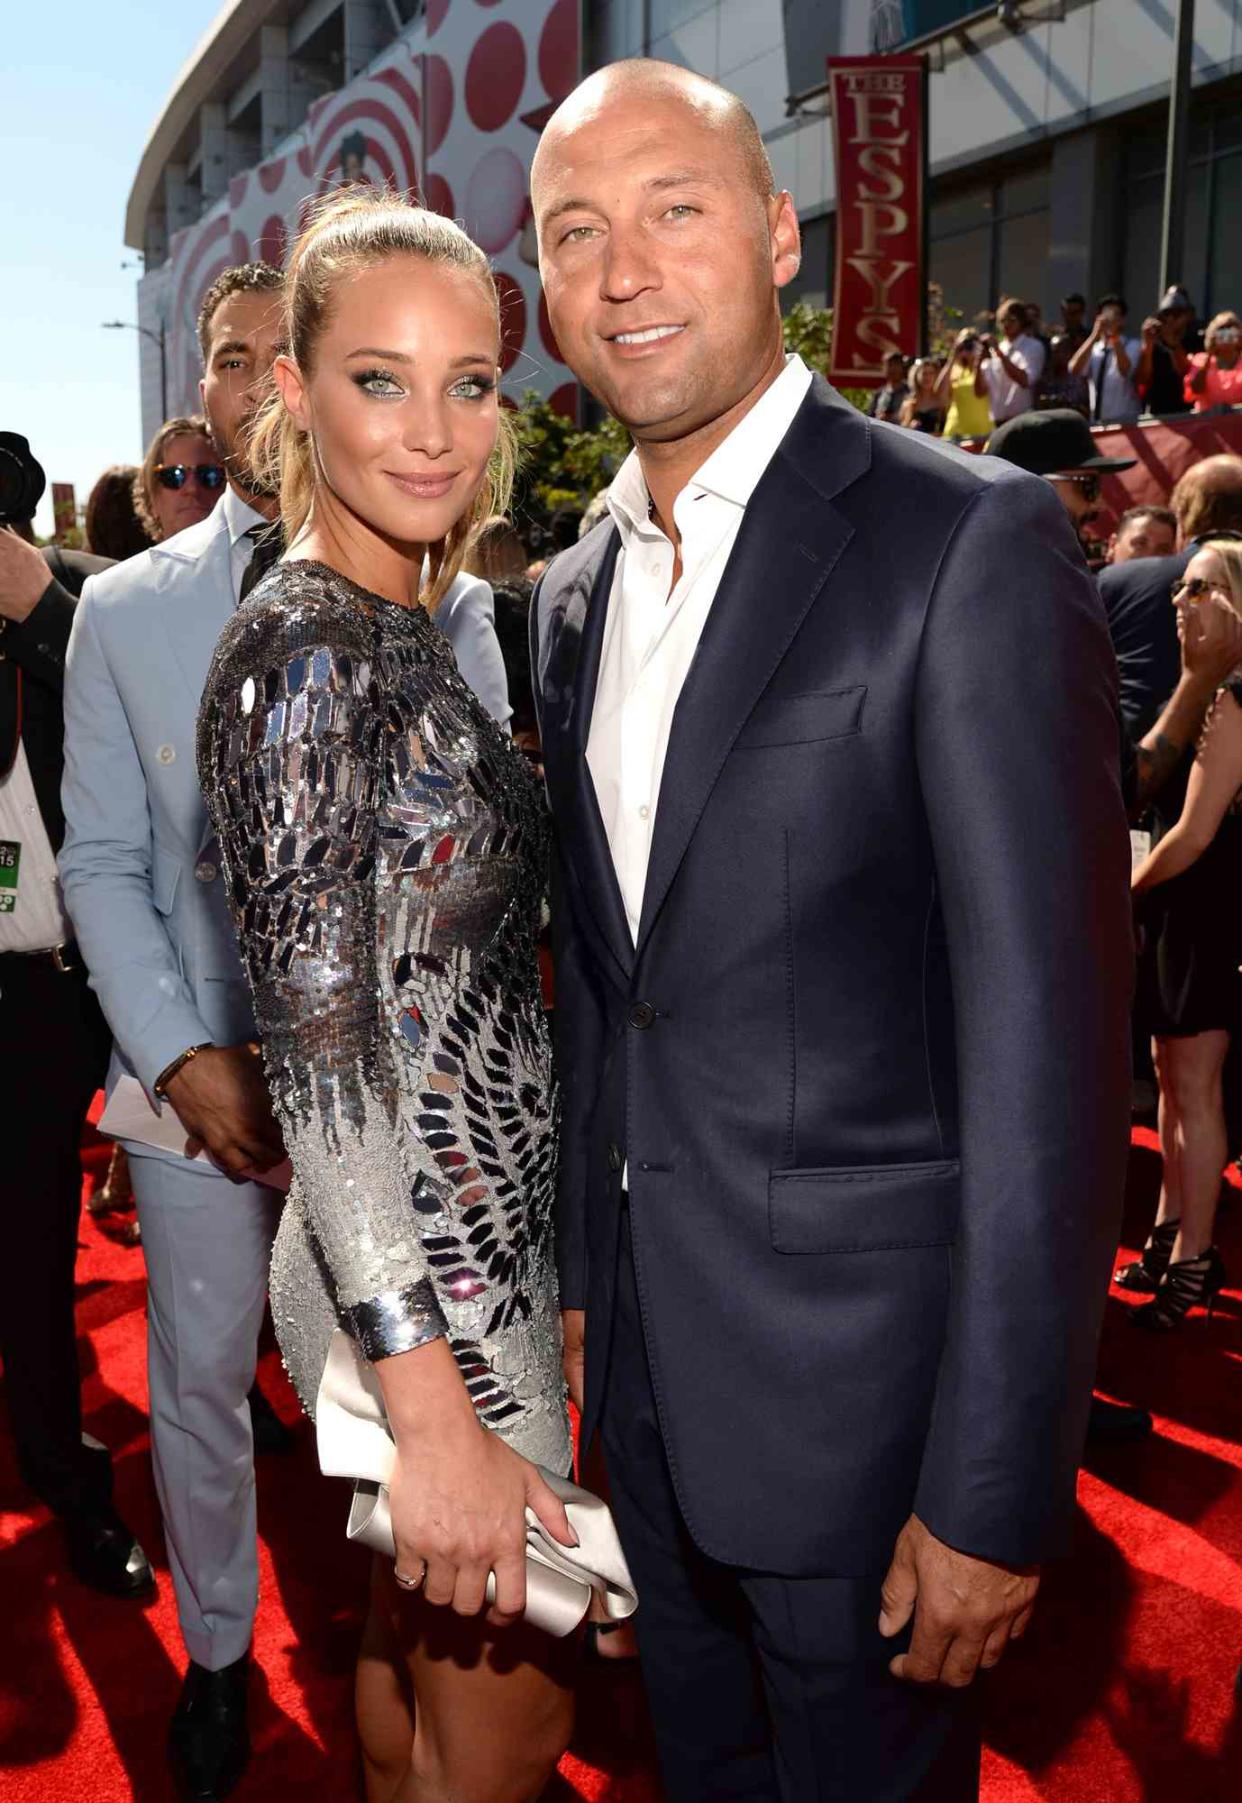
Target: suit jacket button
615,1160
167,754
205,872
641,1015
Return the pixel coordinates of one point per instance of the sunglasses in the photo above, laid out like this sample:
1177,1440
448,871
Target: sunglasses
1194,588
209,476
1086,481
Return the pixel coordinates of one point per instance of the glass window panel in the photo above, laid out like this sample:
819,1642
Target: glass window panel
960,212
1022,268
1194,242
1023,193
1141,263
962,266
813,282
1225,286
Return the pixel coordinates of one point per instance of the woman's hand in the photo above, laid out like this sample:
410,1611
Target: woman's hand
459,1496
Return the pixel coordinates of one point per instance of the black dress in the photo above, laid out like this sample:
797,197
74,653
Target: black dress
1189,980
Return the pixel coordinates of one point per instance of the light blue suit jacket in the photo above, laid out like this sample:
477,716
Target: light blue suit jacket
139,868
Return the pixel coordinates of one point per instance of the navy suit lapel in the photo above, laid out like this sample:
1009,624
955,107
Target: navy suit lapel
788,544
569,682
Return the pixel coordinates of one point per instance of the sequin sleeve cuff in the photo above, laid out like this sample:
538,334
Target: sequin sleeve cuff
397,1320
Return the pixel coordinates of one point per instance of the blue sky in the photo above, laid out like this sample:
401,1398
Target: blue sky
80,86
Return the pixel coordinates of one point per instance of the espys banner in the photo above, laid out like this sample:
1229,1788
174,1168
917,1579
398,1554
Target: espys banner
879,118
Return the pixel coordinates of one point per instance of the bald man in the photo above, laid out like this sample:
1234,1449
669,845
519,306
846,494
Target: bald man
843,935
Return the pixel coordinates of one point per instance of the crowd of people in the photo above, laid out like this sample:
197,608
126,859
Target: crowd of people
277,757
1103,371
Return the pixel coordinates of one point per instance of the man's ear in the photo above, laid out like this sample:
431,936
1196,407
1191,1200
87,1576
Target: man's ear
288,379
786,238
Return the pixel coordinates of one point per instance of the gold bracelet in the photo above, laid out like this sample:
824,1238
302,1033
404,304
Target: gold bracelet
160,1086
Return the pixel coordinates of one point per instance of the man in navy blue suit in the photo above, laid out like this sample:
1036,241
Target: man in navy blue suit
843,934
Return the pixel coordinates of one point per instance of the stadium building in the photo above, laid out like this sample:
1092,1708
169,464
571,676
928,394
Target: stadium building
1047,128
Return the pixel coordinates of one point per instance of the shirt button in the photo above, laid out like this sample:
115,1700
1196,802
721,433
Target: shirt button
167,754
640,1015
644,812
205,872
615,1159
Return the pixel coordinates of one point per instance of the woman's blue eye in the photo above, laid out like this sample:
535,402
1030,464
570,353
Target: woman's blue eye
378,382
474,388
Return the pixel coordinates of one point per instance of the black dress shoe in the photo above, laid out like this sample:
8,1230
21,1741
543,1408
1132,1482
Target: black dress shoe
270,1432
1116,1423
104,1554
209,1742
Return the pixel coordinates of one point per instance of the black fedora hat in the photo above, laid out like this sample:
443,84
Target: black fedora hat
1055,443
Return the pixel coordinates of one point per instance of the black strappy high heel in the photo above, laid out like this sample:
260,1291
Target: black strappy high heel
1145,1273
1190,1283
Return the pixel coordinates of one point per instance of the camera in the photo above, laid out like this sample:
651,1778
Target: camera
22,481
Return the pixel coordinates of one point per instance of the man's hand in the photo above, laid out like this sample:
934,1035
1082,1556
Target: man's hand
1151,329
573,1330
23,576
222,1102
1211,639
965,1610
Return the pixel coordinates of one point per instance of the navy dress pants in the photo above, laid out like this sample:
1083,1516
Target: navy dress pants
763,1687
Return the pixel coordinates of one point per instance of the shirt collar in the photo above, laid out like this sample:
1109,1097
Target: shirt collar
239,515
734,468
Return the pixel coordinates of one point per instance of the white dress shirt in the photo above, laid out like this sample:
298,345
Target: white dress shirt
240,517
1009,398
651,635
38,921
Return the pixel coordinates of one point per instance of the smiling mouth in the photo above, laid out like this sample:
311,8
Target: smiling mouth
650,335
424,488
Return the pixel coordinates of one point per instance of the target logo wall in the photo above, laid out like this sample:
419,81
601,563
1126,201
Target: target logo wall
487,74
495,70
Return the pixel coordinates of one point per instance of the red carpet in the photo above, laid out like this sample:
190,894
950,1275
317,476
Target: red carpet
1123,1692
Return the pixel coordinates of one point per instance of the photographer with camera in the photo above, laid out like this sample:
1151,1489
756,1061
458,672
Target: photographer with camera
1214,375
57,1046
1109,361
1013,363
963,390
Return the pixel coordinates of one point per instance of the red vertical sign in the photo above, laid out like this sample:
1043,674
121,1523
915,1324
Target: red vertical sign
879,289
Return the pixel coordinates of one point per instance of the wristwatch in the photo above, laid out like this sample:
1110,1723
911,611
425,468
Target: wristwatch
160,1086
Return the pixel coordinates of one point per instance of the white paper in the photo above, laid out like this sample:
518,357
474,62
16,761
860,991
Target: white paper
131,1115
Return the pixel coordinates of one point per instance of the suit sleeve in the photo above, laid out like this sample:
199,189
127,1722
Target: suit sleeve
39,643
578,1041
105,866
1016,742
471,631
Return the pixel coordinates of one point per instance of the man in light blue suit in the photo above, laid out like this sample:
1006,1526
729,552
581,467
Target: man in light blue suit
142,883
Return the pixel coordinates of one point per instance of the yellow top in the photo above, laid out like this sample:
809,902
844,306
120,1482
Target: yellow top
968,415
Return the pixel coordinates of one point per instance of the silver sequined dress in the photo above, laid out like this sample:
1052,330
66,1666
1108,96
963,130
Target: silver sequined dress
385,849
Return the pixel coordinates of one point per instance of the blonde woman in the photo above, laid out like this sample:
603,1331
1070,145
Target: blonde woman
1192,983
922,408
181,478
385,849
962,390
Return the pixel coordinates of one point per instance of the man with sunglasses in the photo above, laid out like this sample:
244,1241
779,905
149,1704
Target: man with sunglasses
142,883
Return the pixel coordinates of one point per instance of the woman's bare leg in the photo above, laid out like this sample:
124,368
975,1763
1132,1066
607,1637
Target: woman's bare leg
1170,1204
383,1696
451,1710
1195,1067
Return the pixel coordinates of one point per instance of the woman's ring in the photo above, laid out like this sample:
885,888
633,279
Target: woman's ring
408,1583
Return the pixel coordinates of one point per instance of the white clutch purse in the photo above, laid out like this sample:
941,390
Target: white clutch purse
354,1441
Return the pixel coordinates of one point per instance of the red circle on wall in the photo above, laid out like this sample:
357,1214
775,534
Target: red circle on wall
240,246
271,175
546,333
273,241
438,196
565,400
438,87
558,49
437,13
512,319
495,76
